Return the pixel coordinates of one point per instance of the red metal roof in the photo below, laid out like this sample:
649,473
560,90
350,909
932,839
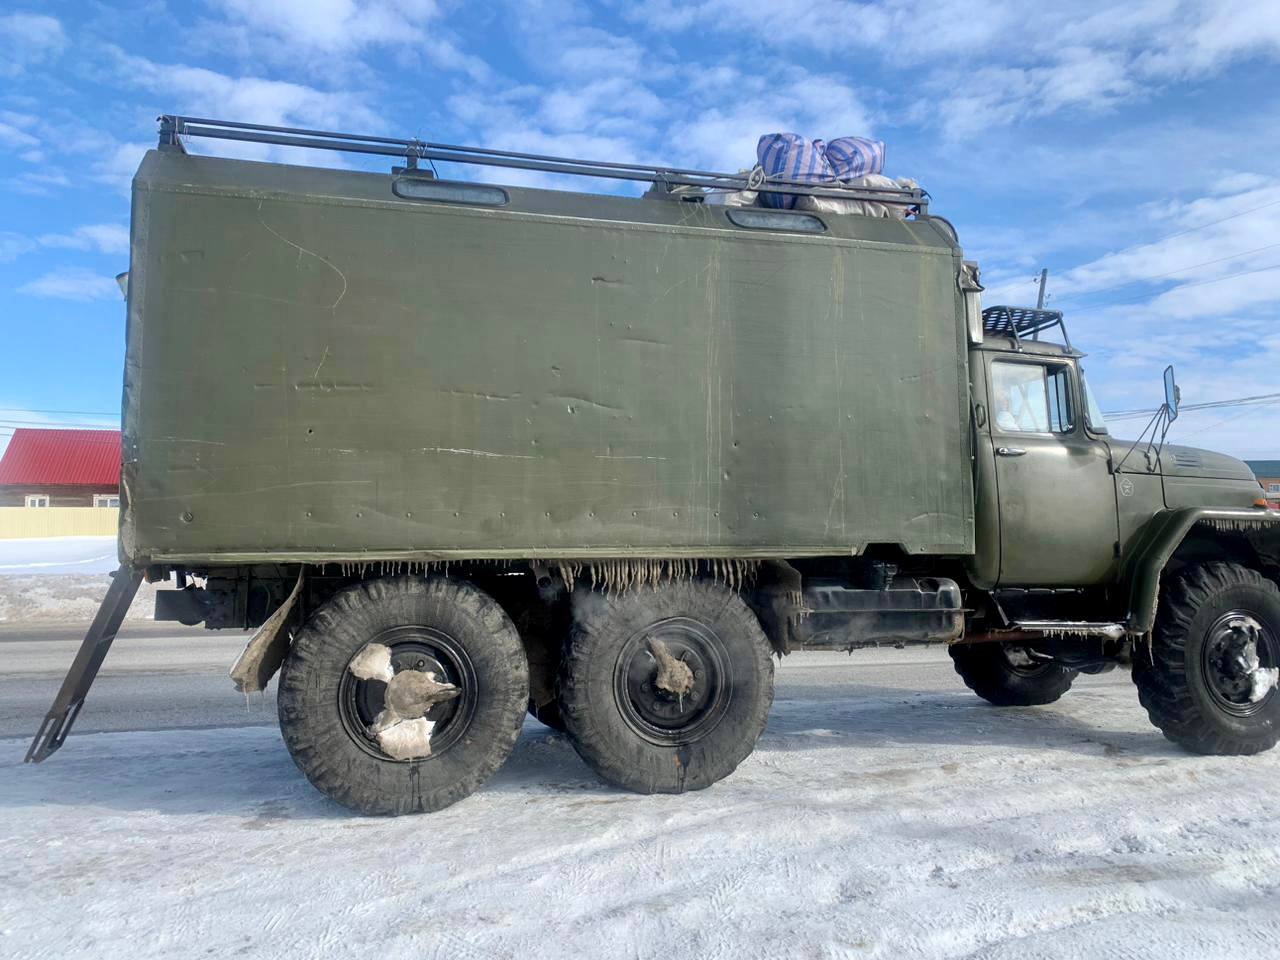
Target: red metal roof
38,456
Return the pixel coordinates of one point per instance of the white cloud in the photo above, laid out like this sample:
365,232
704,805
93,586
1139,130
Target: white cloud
610,97
986,63
335,25
27,39
39,182
333,32
13,245
1210,238
72,283
197,91
116,163
99,237
11,136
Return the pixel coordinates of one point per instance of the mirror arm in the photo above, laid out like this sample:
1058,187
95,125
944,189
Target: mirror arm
1152,425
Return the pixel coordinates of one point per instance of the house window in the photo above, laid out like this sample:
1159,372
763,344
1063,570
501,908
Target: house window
37,500
106,500
1273,487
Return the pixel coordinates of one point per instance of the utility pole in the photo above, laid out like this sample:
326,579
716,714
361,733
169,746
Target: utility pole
1044,276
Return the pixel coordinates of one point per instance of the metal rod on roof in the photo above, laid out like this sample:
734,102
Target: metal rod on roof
182,126
175,126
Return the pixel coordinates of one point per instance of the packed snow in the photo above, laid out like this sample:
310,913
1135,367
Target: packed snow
887,813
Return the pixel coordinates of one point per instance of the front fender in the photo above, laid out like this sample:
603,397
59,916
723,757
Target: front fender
1160,539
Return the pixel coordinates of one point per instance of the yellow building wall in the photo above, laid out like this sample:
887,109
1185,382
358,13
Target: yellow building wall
16,522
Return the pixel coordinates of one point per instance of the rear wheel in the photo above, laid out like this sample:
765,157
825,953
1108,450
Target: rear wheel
403,695
1007,676
1209,679
666,689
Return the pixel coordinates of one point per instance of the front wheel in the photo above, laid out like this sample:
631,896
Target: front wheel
1208,680
1007,676
667,688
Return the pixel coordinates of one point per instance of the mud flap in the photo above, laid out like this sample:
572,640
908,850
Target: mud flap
66,705
265,652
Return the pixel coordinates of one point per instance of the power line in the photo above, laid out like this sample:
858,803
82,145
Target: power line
1180,233
55,424
1261,399
1095,307
83,413
1161,276
1218,423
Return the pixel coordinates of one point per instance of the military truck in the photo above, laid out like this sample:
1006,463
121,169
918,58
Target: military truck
461,450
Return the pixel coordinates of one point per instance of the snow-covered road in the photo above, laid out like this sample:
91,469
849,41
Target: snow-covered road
894,824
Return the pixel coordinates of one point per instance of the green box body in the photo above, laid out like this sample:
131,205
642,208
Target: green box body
319,370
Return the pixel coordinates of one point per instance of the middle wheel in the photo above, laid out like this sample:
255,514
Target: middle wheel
667,688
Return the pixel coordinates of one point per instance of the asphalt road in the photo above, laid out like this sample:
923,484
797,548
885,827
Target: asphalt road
162,677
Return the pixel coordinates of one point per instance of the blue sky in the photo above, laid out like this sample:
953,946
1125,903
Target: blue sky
1129,148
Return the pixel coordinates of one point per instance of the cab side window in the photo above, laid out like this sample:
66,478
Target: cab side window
1031,398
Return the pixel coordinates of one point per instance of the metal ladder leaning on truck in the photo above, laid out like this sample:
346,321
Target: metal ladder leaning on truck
462,450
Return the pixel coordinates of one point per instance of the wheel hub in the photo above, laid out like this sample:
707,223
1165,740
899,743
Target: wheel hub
1232,659
672,681
424,678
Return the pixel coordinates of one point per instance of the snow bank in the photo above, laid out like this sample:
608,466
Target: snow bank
65,598
61,579
83,555
897,824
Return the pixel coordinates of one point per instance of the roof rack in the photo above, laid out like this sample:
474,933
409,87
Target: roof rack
1023,323
174,128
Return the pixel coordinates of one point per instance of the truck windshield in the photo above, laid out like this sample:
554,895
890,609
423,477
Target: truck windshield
1097,422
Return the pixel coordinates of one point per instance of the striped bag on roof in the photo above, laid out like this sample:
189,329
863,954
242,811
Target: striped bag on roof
853,157
789,156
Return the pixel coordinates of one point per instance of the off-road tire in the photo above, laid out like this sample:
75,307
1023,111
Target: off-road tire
986,670
1170,675
589,699
310,715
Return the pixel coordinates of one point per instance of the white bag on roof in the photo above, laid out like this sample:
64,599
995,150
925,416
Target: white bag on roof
866,208
735,198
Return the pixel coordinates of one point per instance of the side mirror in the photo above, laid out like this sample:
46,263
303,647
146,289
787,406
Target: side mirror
1172,395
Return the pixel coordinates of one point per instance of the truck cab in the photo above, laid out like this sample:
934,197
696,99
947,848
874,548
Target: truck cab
1058,499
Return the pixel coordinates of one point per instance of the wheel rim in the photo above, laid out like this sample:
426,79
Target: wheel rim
412,648
1236,645
661,716
1015,657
